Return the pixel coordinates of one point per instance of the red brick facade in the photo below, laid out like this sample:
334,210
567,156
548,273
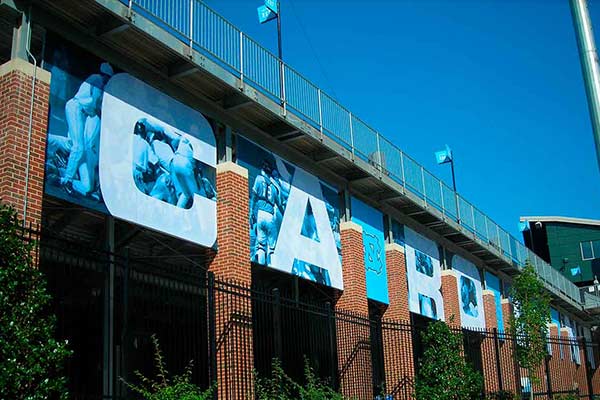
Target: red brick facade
397,339
235,358
15,105
451,299
354,355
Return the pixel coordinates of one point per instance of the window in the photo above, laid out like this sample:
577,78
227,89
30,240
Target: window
590,249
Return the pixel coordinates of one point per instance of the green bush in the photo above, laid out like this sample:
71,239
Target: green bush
281,387
31,359
566,397
179,387
444,374
503,395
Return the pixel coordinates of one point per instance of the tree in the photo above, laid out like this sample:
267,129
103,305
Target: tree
31,359
444,373
529,323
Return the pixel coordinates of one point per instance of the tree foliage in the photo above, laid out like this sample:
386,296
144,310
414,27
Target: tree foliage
444,373
529,323
31,359
163,387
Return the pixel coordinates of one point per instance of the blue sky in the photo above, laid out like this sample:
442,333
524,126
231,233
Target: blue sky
499,81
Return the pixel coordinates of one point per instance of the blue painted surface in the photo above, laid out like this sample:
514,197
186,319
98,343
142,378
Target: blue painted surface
371,221
492,283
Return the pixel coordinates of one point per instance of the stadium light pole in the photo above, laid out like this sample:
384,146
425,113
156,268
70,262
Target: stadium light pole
271,9
447,157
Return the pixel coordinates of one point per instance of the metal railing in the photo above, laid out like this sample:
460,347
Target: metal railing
204,30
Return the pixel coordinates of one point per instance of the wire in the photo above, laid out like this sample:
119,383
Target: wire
315,56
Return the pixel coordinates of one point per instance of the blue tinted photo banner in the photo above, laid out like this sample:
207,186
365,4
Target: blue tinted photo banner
371,222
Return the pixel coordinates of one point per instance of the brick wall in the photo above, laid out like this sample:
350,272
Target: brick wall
490,374
354,356
397,337
451,299
15,102
235,358
510,370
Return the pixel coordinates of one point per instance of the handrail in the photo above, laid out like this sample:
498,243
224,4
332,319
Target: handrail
206,31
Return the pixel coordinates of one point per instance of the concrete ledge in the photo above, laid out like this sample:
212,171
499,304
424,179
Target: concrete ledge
552,325
394,247
505,301
20,65
448,272
351,225
230,166
489,292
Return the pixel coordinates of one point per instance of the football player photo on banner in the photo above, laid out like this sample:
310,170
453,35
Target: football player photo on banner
424,275
117,145
294,218
470,292
371,222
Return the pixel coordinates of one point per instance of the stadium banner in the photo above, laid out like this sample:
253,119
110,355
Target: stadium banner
470,292
294,217
492,283
119,146
371,222
424,275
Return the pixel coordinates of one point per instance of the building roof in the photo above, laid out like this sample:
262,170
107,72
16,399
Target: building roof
565,220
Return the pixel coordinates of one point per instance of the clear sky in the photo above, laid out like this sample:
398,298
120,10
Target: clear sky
499,81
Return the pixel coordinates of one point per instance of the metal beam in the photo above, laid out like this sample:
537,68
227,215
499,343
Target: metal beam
235,101
182,69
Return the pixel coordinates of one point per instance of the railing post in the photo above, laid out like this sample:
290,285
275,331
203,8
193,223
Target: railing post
277,324
487,232
282,79
423,185
351,135
191,27
548,378
456,198
320,112
380,169
442,198
498,363
212,331
130,10
498,236
332,347
402,169
474,225
586,362
241,60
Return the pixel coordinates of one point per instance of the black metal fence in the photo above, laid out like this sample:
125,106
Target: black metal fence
110,305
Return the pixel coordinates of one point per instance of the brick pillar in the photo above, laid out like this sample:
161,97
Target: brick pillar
353,340
451,299
15,105
235,358
568,366
488,347
510,370
581,372
397,337
555,360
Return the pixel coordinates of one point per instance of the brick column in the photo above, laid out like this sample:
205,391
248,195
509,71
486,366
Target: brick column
490,373
353,341
15,105
451,299
568,366
397,337
510,369
235,358
555,360
581,372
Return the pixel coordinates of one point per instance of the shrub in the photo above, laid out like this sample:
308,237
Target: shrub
503,395
31,359
179,387
444,373
281,387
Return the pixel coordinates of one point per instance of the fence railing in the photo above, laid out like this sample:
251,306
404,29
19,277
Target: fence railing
204,30
233,330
